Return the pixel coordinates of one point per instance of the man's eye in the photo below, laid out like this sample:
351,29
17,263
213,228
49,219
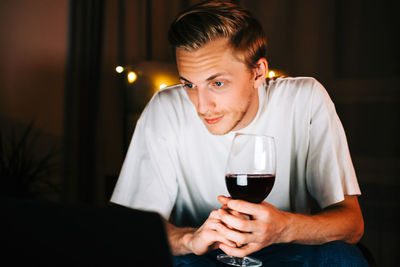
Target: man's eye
189,85
218,84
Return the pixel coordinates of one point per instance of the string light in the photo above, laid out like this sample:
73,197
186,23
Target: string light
155,78
119,69
132,76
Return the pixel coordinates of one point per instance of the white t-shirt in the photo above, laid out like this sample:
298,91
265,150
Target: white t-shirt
173,161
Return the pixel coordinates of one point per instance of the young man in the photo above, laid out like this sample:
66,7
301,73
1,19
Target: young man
180,146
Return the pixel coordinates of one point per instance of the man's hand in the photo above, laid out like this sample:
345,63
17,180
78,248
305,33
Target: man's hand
341,221
198,241
266,226
240,228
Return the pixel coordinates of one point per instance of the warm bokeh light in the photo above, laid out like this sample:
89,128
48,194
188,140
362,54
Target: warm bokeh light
153,76
275,73
119,69
163,80
271,74
132,76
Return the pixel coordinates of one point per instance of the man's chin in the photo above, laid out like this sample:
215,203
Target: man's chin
215,130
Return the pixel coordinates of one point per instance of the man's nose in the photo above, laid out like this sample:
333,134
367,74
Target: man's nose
205,101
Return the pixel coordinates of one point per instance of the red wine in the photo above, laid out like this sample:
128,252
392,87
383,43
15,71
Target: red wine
250,187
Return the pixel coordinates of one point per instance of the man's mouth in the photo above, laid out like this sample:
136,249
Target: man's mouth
213,120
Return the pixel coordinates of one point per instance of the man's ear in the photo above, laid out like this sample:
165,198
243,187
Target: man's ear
260,72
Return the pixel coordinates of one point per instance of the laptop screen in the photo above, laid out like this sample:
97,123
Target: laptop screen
42,233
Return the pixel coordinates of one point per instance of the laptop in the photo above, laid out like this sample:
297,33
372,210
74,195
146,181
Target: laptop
41,233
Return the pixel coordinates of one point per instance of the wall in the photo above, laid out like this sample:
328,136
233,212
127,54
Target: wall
33,43
33,52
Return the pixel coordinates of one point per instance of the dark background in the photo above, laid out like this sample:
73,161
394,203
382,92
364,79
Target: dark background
57,61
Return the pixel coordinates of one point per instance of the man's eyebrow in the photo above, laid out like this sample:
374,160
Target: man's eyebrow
212,77
186,80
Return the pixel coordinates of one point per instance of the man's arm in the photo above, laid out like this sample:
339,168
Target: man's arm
179,238
197,241
341,221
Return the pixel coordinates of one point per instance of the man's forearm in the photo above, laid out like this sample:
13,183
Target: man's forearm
342,221
178,238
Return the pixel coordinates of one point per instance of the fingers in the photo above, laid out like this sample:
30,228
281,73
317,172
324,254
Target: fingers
223,200
207,237
223,240
242,206
213,225
214,215
241,222
239,252
214,236
238,214
229,227
239,238
221,232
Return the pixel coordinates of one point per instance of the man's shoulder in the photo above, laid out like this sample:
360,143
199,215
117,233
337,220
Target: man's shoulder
170,99
172,93
168,106
293,86
294,82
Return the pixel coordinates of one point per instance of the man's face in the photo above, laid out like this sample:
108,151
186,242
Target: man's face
220,86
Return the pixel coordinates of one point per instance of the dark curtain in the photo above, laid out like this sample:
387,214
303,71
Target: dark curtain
82,93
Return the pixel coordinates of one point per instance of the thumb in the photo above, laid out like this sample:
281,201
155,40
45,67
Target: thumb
223,200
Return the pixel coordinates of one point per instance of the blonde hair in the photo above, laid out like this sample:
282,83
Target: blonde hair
211,20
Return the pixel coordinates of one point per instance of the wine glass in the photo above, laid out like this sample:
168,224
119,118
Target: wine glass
250,176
